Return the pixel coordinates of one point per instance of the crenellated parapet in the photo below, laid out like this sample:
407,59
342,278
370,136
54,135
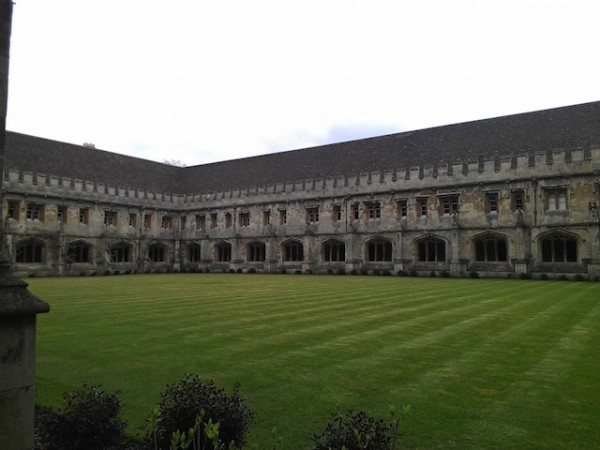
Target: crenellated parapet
552,163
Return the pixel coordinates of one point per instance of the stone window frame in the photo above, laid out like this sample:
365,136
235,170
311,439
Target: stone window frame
402,207
556,198
256,251
244,219
194,252
379,249
492,202
431,249
333,250
292,250
312,214
35,211
373,209
121,252
30,251
157,252
490,247
111,217
282,216
133,219
449,204
84,215
517,199
166,222
79,252
223,251
559,247
62,213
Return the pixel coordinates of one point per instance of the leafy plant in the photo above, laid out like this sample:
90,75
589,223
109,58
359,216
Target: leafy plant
225,419
359,431
89,420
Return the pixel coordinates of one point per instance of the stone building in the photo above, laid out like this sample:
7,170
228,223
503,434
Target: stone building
508,196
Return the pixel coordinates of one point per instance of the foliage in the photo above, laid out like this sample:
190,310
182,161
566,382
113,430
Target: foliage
89,420
357,431
184,402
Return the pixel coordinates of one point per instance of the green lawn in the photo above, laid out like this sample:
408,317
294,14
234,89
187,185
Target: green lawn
484,364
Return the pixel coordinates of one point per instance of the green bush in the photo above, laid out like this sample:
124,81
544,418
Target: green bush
354,431
182,403
89,420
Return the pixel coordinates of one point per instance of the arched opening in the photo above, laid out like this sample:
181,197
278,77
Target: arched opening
30,251
156,253
379,249
256,252
431,249
293,251
193,252
79,252
334,251
559,248
223,252
490,248
120,253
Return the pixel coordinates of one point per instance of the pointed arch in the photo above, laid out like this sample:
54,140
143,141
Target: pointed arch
333,250
222,251
120,252
256,251
79,251
431,248
559,247
379,249
490,247
30,250
292,250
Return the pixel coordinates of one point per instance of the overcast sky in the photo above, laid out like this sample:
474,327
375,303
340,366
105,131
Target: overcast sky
201,81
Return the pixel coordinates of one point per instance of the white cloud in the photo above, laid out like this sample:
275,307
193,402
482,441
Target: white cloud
200,81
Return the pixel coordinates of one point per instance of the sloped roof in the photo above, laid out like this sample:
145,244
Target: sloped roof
38,155
575,126
567,127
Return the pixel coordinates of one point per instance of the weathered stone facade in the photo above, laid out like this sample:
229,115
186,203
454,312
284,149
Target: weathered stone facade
530,212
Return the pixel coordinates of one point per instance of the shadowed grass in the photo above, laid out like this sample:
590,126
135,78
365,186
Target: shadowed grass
484,363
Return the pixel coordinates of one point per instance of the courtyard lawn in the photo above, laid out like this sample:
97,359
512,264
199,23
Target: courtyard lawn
484,364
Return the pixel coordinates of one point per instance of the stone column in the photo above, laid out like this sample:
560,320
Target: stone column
18,310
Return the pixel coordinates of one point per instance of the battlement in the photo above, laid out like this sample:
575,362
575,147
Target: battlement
552,163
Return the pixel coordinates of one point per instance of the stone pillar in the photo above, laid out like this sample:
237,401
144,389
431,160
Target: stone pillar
18,310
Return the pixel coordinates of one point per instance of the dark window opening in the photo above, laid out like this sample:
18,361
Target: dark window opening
379,250
432,250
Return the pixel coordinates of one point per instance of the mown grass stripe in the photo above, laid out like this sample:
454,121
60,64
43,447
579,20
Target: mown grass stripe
481,361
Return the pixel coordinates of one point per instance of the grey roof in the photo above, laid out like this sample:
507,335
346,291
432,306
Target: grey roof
575,126
38,155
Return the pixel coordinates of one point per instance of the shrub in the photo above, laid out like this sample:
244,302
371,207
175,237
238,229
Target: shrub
89,421
524,276
474,275
183,402
356,430
445,274
239,270
341,272
364,272
329,271
579,277
543,276
252,270
563,278
231,271
433,274
386,273
414,273
402,273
